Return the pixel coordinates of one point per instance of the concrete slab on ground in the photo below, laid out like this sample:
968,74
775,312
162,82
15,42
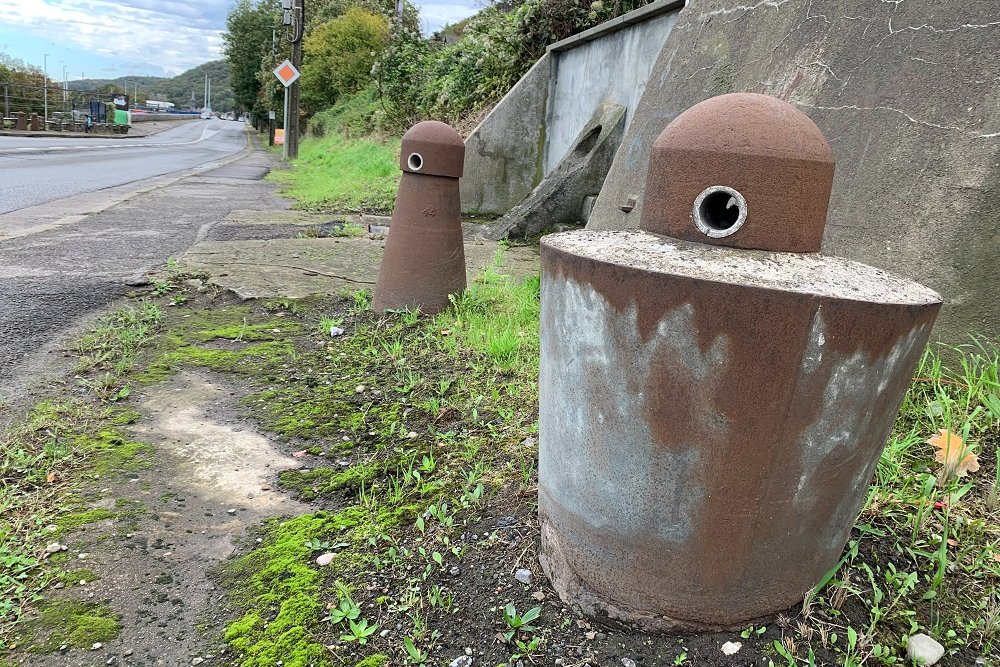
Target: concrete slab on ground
299,267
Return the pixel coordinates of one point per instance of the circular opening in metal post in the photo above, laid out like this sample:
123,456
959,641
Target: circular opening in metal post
415,161
719,211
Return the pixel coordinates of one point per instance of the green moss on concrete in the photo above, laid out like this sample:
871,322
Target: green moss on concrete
124,417
113,452
72,577
254,359
77,519
71,622
377,660
321,412
311,483
182,343
280,586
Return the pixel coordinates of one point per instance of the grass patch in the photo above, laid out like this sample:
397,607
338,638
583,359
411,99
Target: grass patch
334,173
53,445
109,350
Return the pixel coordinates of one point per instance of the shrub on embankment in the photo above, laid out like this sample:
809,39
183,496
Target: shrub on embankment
385,80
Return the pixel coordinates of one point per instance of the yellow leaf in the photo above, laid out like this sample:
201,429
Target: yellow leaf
951,452
51,477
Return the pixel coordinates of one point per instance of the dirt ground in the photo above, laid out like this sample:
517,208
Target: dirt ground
208,479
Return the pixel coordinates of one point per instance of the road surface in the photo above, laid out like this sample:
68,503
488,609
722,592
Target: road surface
36,170
71,257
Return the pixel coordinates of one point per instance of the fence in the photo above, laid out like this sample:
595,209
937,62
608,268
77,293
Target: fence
60,108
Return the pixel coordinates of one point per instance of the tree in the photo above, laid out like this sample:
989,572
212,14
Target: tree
247,45
338,56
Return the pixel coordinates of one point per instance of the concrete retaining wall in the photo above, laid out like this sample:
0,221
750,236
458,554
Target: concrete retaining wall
904,92
503,155
611,67
529,132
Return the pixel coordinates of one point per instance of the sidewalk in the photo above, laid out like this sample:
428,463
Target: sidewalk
294,254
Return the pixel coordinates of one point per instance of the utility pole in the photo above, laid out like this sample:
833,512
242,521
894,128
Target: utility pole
45,73
292,112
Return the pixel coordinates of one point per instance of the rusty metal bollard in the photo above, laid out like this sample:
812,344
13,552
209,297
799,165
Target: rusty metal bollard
20,121
715,394
424,258
35,123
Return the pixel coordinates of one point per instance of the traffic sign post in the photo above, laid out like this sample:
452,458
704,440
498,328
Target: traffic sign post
287,74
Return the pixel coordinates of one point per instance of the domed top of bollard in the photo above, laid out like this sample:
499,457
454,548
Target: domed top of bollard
434,149
740,170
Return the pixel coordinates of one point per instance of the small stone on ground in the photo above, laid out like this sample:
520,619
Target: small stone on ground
924,650
524,576
731,648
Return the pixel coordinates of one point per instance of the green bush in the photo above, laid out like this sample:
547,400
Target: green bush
338,57
354,116
417,79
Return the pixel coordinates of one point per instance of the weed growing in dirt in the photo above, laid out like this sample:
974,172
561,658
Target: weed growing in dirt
109,350
39,458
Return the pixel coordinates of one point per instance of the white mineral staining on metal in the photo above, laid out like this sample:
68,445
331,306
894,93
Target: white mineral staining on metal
853,385
595,354
817,339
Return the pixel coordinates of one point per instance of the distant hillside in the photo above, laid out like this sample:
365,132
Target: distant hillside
178,89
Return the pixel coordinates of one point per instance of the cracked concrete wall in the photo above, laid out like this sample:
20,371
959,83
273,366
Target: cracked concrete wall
503,155
904,90
613,68
530,131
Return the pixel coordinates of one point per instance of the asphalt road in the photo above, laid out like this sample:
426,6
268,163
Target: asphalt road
54,277
36,170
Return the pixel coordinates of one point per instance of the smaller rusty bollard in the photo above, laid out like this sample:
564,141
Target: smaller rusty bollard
20,121
36,123
424,258
714,394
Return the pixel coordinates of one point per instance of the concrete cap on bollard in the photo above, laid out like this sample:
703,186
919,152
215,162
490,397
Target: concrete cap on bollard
740,170
432,148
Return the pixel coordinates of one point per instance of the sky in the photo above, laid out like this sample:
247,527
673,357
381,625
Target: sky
106,39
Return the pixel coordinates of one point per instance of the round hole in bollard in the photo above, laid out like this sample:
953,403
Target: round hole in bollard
719,211
415,161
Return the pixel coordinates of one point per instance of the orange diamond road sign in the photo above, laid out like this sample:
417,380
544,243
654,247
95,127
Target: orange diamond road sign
286,73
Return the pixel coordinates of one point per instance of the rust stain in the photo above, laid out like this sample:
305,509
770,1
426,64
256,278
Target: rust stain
755,550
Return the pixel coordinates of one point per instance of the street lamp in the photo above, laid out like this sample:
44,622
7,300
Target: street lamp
45,72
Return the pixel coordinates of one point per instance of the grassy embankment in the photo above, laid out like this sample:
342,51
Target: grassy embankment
335,173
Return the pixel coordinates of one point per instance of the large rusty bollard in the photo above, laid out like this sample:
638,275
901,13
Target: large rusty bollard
711,416
20,121
424,258
36,123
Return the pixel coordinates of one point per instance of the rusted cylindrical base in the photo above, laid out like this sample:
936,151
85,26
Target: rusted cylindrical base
36,123
20,121
424,258
710,420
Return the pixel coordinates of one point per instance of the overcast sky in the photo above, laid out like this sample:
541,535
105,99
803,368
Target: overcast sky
105,39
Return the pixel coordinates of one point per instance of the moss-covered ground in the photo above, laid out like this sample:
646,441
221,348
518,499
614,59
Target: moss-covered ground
418,442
